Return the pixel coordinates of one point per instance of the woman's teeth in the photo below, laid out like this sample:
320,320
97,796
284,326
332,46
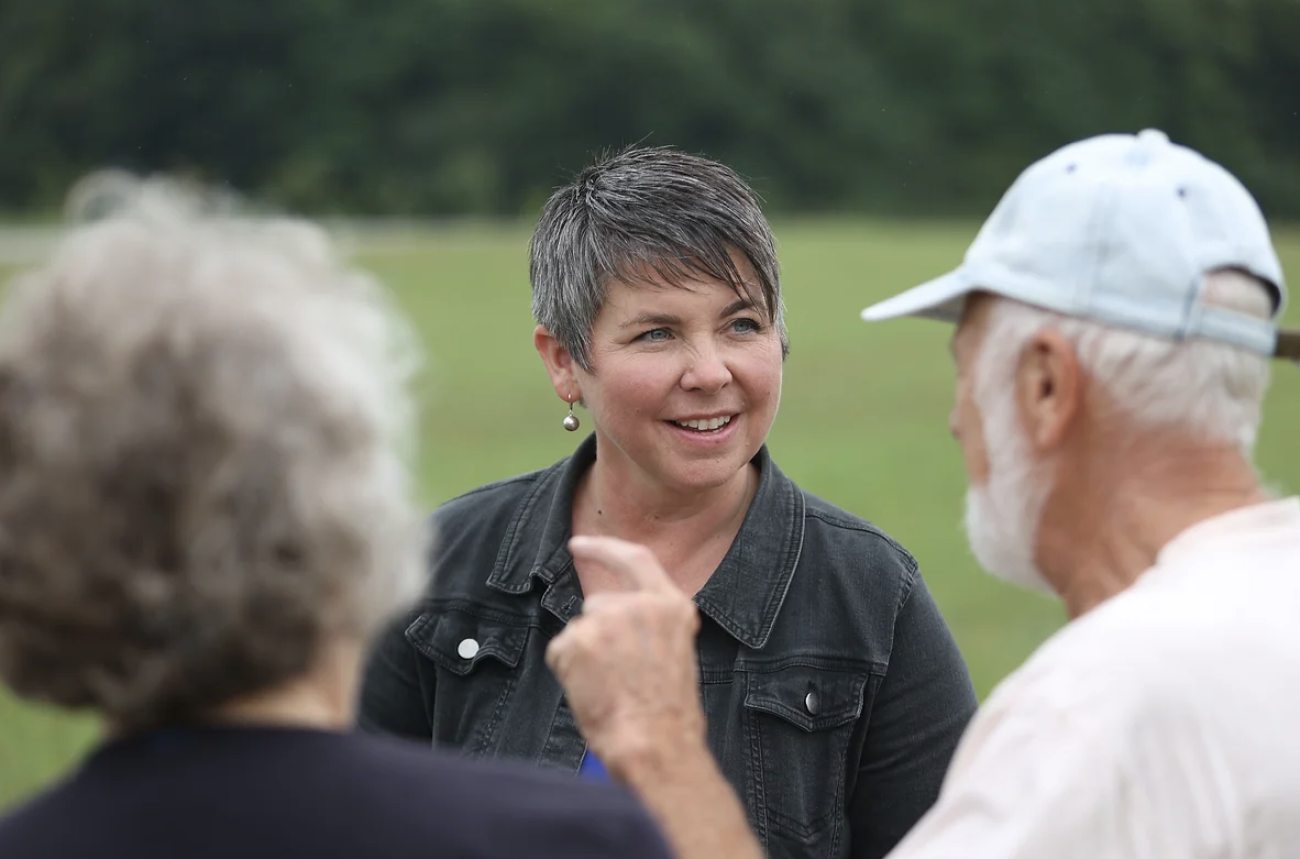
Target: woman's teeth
709,425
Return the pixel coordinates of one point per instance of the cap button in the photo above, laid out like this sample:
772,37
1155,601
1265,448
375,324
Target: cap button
1153,134
467,649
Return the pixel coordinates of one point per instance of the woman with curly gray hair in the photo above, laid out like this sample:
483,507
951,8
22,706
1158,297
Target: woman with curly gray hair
205,514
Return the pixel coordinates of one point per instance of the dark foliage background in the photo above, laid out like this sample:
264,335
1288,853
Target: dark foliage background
452,107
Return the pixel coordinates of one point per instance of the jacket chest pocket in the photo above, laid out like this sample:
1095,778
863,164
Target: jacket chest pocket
801,719
477,660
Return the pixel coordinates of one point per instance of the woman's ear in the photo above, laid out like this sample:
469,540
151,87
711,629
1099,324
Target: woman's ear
560,365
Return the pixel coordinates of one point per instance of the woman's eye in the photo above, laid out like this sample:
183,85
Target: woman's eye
745,326
655,335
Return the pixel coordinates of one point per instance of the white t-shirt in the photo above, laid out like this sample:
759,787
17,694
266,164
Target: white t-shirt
1163,723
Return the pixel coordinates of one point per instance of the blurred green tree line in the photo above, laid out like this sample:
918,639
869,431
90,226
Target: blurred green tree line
449,107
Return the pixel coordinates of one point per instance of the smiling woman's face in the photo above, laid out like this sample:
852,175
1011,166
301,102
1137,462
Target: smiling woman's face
685,382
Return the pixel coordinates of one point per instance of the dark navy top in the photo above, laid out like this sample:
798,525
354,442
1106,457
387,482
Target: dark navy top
283,792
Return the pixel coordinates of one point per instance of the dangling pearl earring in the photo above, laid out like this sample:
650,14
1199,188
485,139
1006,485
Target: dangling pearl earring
571,422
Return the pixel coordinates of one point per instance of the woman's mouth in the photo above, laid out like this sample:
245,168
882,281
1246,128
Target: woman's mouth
704,425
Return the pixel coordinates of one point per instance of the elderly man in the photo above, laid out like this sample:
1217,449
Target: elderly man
1115,318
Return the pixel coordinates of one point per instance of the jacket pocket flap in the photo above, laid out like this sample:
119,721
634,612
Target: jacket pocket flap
460,641
808,697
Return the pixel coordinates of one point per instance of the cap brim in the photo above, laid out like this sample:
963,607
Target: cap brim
941,299
944,298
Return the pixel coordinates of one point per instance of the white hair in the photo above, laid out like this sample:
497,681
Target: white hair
1003,513
206,434
1209,389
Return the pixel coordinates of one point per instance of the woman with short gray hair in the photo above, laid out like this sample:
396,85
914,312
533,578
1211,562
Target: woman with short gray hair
834,692
205,514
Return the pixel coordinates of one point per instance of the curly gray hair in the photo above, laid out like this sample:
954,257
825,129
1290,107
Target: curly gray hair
205,435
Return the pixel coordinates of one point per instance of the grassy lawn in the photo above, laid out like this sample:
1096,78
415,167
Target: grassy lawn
862,422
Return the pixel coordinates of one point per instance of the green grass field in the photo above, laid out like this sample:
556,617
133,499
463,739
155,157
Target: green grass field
863,420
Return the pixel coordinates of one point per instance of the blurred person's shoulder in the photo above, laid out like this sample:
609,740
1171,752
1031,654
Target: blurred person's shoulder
1185,643
24,825
285,792
504,808
1180,688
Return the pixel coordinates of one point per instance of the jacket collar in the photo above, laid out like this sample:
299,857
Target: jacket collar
744,594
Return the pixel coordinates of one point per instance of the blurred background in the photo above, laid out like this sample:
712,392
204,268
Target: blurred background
428,133
477,107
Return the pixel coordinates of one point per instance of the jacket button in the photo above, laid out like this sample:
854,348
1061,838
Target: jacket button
813,703
467,649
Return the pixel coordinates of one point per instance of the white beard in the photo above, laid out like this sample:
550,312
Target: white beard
1002,516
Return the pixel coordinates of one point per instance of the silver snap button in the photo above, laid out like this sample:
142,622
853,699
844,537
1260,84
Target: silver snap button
467,649
812,702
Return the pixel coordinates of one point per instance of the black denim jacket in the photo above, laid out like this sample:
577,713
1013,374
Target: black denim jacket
834,692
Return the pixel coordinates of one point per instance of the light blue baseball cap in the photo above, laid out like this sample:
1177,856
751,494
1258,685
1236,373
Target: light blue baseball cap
1121,229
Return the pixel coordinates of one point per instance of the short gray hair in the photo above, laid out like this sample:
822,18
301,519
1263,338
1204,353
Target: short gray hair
1208,389
205,443
647,209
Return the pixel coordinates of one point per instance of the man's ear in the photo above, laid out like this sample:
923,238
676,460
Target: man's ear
560,365
1049,389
